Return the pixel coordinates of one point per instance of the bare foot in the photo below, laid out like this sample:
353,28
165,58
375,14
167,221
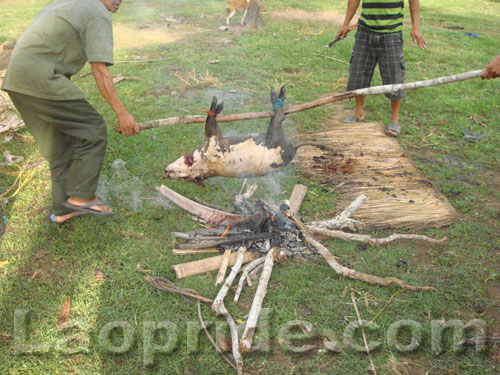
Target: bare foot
81,202
62,218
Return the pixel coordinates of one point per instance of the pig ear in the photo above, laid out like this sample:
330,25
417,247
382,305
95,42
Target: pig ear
219,108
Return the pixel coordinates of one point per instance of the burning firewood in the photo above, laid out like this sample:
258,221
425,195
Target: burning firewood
247,156
257,236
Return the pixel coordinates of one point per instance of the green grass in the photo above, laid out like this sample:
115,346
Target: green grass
46,263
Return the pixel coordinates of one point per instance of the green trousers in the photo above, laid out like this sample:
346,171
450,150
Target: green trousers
71,136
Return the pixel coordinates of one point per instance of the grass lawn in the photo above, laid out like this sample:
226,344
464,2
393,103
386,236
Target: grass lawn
41,264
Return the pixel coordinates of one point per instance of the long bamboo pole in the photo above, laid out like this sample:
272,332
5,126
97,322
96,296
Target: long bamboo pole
376,90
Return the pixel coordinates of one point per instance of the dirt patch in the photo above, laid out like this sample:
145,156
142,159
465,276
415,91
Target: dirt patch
132,36
298,14
5,52
44,267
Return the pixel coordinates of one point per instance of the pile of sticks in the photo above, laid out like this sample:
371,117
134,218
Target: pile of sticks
220,223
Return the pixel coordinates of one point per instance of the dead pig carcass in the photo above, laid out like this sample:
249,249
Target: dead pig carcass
242,156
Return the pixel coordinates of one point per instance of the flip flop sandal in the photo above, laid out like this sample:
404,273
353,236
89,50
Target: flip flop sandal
393,129
86,208
52,217
352,119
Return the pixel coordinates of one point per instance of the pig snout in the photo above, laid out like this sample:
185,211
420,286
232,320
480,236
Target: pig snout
179,168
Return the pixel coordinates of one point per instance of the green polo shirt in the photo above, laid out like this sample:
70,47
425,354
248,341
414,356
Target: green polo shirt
62,38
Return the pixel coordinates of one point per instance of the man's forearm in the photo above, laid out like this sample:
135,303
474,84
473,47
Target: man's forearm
107,88
415,13
352,7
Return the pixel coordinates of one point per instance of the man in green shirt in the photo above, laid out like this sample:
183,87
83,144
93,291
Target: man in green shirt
70,133
379,41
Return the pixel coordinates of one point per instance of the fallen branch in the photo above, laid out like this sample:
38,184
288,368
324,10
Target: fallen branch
245,274
217,348
347,272
343,220
370,240
168,286
219,308
253,315
332,58
386,89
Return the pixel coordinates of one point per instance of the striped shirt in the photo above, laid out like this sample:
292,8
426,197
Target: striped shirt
382,16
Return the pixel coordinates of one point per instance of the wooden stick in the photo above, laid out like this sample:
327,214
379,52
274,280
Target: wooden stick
253,315
394,89
386,89
332,58
199,119
194,251
223,267
370,240
217,348
360,322
245,274
219,308
343,220
225,241
166,286
254,272
206,265
353,274
208,214
296,198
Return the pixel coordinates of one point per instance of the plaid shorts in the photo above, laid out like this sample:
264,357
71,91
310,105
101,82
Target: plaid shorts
371,48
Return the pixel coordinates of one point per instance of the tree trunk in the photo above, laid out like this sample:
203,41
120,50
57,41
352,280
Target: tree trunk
253,20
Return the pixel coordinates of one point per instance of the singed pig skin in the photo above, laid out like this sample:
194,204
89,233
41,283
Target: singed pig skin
245,156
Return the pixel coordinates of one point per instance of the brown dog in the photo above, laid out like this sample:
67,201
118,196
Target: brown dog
234,5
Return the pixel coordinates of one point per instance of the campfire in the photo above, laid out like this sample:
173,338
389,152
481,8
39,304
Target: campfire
261,235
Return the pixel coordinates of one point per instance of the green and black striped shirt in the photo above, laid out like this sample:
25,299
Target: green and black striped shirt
382,16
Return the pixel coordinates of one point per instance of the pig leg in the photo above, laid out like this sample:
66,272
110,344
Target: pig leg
211,127
275,134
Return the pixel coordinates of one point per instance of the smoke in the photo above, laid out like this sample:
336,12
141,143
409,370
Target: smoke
128,190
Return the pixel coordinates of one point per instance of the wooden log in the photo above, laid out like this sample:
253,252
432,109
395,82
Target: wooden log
219,308
244,276
376,90
208,214
223,267
297,197
253,315
206,265
194,251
